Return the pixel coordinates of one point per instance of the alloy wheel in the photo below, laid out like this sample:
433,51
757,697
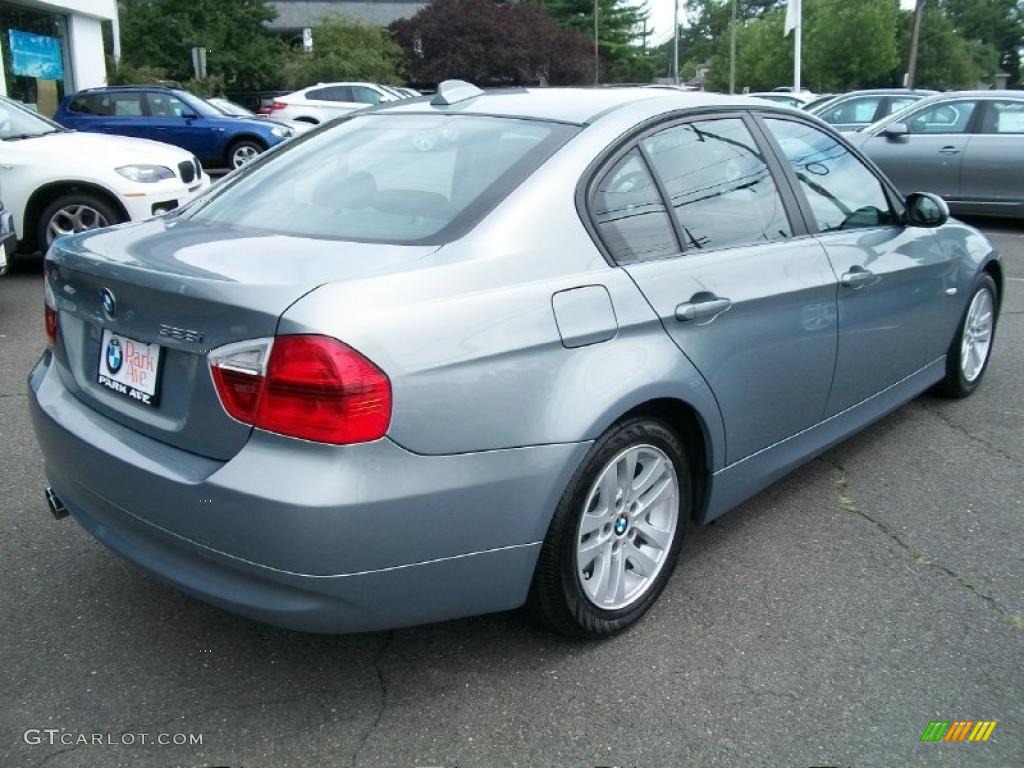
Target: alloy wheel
977,335
627,527
71,219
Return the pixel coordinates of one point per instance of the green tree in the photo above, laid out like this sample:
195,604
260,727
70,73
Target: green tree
621,26
346,50
160,34
991,25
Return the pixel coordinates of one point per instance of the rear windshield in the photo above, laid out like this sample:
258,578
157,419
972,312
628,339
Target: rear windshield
387,178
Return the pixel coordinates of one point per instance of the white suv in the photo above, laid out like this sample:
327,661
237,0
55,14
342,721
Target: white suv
326,100
57,181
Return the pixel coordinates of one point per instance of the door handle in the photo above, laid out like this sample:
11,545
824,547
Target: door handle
857,277
699,308
949,150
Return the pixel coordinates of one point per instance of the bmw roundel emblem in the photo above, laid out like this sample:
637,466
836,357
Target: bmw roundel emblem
115,357
109,302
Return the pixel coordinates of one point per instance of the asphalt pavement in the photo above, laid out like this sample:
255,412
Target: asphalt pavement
826,622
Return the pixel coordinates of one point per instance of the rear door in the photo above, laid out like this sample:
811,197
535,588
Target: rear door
746,296
930,158
894,313
992,176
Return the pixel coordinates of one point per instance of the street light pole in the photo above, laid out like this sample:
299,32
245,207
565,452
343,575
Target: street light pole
732,51
675,44
914,39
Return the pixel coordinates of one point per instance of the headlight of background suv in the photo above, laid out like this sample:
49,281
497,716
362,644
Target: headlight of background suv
282,132
146,174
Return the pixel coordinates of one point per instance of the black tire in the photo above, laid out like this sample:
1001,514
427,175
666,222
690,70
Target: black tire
111,213
955,384
252,144
556,599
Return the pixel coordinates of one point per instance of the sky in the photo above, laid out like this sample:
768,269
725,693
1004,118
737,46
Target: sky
661,17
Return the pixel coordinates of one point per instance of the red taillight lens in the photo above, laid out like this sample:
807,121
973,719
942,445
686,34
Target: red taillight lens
49,311
313,387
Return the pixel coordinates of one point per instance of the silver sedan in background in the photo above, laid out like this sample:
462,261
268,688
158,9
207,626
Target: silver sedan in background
450,357
967,146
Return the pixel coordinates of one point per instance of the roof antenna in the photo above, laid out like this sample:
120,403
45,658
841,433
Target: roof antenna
453,91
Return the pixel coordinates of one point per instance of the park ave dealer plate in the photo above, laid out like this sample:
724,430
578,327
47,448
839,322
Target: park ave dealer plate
129,367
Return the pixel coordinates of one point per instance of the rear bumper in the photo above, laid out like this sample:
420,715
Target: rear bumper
309,537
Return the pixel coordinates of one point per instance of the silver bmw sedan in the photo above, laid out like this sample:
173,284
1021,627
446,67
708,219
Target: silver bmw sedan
455,356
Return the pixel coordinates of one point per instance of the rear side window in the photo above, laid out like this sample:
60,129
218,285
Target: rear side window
719,187
1004,117
842,192
388,178
630,213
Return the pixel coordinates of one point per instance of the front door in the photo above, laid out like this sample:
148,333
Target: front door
747,299
893,305
930,157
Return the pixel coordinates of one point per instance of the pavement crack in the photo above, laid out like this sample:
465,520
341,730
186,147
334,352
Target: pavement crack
945,419
918,558
383,685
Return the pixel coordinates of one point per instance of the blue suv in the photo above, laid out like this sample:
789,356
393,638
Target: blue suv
174,117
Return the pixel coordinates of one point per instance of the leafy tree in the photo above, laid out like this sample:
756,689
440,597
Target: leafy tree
621,25
997,24
492,44
159,34
346,50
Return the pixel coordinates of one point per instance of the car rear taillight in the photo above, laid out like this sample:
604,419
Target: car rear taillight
277,105
49,311
312,387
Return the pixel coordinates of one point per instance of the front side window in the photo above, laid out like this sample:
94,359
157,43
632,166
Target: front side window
630,213
951,117
1004,117
387,178
720,190
841,191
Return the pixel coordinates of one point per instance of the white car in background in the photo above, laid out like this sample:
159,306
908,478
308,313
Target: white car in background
324,101
56,181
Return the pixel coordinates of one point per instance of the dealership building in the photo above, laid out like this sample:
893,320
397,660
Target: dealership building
53,48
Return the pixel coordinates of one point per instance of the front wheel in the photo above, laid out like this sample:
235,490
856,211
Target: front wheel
969,352
74,212
244,152
615,536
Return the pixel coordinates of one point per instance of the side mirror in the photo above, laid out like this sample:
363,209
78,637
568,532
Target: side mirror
926,210
895,131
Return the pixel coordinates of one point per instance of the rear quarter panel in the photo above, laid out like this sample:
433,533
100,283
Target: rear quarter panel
469,338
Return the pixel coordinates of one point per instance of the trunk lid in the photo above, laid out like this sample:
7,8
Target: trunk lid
188,287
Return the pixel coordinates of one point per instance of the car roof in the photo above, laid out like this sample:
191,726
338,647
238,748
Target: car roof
577,106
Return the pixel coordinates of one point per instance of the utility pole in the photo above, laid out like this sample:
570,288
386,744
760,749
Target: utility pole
912,64
675,43
597,58
732,51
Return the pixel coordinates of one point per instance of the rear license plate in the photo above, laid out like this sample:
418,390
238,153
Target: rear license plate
129,367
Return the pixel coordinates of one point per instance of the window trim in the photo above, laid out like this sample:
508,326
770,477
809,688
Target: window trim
896,201
586,188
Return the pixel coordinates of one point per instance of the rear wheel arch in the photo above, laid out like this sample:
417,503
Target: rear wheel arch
46,194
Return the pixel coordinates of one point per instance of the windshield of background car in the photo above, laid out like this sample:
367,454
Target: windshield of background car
16,120
387,178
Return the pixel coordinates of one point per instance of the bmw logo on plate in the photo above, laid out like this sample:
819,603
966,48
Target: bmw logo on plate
109,302
114,356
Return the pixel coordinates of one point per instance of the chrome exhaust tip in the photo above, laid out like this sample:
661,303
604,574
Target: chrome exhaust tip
57,508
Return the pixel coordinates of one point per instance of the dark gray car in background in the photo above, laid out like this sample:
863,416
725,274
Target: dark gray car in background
967,146
446,358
